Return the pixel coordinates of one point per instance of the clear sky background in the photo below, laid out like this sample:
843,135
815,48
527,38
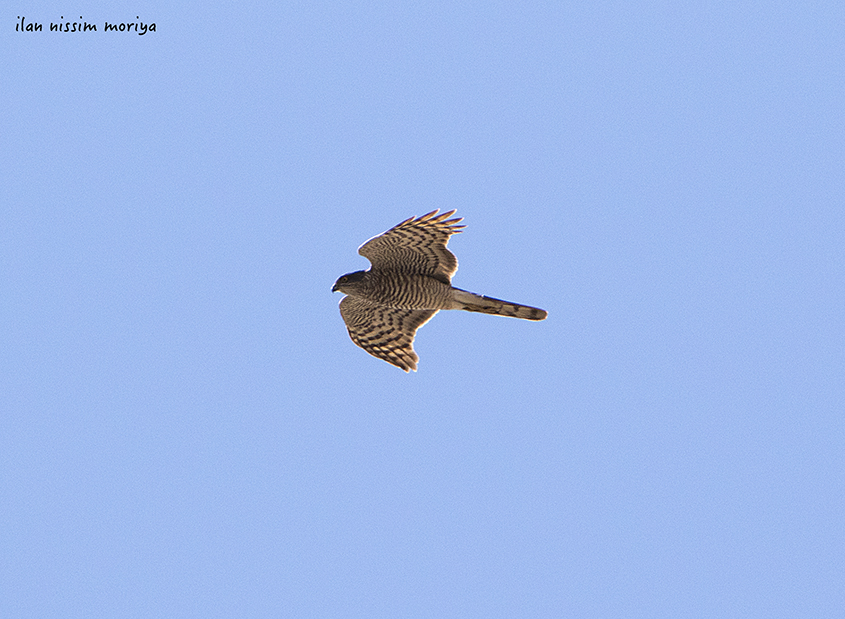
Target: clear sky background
188,431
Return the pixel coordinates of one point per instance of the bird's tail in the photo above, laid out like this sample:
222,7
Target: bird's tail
471,302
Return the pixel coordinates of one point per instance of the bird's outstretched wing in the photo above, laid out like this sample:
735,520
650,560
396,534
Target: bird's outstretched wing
416,246
384,332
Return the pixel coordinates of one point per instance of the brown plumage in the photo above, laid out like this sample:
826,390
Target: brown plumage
408,283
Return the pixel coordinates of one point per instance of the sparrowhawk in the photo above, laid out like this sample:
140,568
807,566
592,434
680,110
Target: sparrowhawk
408,283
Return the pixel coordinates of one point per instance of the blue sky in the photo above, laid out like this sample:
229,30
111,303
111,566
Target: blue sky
187,430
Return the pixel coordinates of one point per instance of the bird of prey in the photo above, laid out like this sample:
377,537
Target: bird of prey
409,281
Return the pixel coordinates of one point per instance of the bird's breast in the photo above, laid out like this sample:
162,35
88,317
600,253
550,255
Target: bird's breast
409,291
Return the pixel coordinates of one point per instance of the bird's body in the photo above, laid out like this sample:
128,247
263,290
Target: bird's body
399,290
408,283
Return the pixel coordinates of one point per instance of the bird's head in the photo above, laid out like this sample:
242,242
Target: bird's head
349,283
